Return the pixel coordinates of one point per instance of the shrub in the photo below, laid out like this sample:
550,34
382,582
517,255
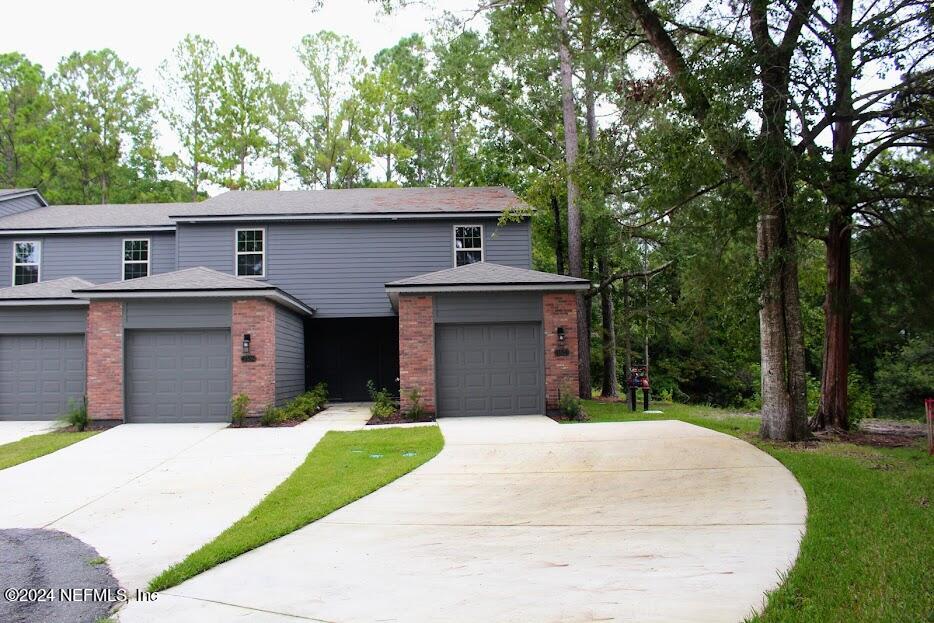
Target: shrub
306,405
859,399
905,378
570,406
665,395
238,412
77,415
416,410
383,404
273,415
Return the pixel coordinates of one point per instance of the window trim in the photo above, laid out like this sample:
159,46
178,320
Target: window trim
238,252
148,261
37,264
454,248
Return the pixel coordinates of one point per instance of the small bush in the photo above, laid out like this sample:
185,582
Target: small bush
666,395
273,415
306,405
417,410
904,378
570,406
384,405
238,412
77,416
859,400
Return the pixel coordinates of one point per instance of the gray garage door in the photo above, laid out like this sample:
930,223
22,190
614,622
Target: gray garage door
39,374
490,369
178,376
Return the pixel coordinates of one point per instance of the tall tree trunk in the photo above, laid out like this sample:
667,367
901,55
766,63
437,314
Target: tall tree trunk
833,409
569,115
648,315
559,236
609,388
194,178
627,332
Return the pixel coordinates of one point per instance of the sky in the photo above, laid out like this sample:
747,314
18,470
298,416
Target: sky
144,33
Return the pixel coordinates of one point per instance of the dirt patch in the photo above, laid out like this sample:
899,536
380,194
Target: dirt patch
92,425
862,438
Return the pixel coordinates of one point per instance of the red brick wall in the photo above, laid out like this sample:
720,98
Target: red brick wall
256,379
417,349
104,341
561,373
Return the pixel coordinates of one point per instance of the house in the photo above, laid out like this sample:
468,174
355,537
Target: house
163,312
13,200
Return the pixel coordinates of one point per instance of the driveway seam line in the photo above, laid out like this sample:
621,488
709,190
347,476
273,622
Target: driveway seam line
539,525
251,608
601,471
567,441
133,479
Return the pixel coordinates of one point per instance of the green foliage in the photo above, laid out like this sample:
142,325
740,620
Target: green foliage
273,415
35,446
384,405
861,403
570,406
238,411
77,415
904,378
335,474
416,409
307,404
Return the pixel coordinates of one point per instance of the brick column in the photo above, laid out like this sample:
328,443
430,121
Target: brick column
561,371
104,340
417,349
256,379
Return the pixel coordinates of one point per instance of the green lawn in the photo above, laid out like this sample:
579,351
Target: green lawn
342,468
869,544
34,446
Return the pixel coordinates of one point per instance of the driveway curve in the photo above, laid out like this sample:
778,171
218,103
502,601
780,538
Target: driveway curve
524,520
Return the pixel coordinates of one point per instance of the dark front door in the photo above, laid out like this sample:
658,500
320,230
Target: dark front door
178,376
490,369
39,375
345,353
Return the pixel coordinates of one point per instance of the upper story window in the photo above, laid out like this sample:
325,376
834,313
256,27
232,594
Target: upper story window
26,257
135,258
468,244
251,253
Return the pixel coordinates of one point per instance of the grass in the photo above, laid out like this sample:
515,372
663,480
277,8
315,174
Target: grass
342,468
867,552
34,446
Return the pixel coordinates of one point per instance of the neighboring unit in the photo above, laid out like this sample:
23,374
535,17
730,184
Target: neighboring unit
267,293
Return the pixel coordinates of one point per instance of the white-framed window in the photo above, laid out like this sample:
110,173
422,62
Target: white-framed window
468,244
135,258
27,255
251,253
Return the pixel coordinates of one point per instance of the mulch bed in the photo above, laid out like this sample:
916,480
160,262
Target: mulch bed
256,422
92,425
399,418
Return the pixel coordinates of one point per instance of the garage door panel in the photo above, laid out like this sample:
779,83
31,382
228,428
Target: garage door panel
178,376
39,375
490,369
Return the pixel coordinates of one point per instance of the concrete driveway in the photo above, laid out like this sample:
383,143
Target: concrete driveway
11,431
147,495
522,519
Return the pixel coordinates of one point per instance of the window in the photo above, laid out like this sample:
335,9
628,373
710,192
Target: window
251,253
468,244
25,262
135,258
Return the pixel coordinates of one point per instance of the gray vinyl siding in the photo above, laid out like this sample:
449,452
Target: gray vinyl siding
339,268
97,258
178,314
43,320
290,355
491,307
20,204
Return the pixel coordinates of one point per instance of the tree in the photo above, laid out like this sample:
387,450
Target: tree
283,116
384,102
241,123
188,76
764,163
24,110
868,116
101,118
575,259
331,63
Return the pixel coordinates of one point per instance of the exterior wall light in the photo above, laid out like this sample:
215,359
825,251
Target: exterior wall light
561,336
246,354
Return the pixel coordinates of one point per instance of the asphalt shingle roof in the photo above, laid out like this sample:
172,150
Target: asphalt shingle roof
55,289
198,278
487,274
96,216
360,201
